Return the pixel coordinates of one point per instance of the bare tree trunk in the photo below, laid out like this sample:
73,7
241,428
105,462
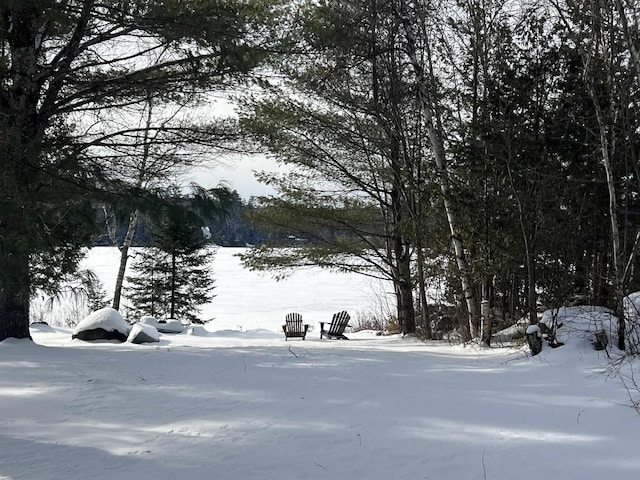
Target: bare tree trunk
432,125
486,318
124,257
425,321
133,217
20,150
613,217
174,268
14,293
401,250
405,293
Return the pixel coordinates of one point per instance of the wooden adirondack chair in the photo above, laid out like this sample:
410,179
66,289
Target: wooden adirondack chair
293,326
338,323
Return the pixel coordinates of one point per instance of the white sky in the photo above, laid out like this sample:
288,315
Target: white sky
237,172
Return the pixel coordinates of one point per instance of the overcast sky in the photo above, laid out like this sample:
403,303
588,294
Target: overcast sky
235,170
237,173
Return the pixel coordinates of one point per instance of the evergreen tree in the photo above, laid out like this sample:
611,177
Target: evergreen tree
345,119
173,276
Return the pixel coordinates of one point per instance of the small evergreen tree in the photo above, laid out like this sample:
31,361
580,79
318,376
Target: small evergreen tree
172,277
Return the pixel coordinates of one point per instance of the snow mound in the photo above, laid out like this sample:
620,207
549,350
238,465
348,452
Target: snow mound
580,322
228,333
41,327
262,333
148,320
170,326
106,323
163,326
142,333
197,330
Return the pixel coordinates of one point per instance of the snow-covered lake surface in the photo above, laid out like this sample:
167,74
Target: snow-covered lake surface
230,404
246,300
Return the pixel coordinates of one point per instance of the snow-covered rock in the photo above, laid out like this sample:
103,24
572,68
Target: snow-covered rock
143,333
580,323
163,326
170,326
512,333
534,339
103,324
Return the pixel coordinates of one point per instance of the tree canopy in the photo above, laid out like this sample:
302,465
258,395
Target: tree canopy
500,142
69,71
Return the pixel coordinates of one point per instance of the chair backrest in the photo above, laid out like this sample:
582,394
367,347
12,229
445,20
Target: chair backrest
339,322
294,322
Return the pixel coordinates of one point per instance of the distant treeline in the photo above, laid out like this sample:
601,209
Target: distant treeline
235,230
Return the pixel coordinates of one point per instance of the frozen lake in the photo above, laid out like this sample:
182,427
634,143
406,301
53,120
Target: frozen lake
246,300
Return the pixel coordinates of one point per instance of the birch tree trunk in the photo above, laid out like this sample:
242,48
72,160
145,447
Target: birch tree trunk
133,217
124,257
429,112
425,321
607,148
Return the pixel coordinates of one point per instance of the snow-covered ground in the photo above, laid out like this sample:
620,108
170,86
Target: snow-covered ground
248,405
237,405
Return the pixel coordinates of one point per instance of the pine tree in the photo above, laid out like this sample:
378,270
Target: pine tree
173,277
346,121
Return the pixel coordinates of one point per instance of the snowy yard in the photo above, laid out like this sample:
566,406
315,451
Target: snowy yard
248,405
235,401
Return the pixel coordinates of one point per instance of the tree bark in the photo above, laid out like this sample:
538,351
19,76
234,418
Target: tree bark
124,257
173,292
606,149
437,146
14,294
486,318
21,149
425,321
